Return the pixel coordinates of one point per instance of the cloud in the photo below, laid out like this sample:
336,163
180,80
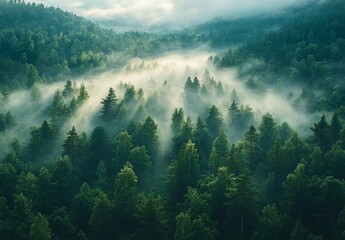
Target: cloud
165,14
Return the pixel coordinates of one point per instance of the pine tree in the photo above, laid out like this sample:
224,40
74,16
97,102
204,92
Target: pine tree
251,139
322,135
146,135
335,128
109,108
126,200
72,146
68,89
183,172
40,229
177,121
83,95
214,122
123,146
153,222
267,132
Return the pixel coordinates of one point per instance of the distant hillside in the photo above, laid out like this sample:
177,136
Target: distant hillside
38,42
309,47
307,51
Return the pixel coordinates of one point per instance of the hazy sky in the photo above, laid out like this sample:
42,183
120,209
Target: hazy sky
170,14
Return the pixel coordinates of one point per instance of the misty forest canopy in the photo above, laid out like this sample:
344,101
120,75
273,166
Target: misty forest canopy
308,50
39,43
88,154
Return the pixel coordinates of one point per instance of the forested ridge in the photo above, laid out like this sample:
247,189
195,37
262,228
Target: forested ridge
44,44
151,166
308,50
39,43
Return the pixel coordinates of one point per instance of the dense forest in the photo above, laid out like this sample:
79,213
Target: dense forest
174,153
308,50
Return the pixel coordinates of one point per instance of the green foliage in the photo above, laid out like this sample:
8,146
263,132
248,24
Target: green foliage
214,122
101,219
274,182
242,203
307,49
146,135
270,224
109,108
72,146
6,121
141,162
123,146
126,200
267,132
61,225
177,120
183,172
152,217
40,229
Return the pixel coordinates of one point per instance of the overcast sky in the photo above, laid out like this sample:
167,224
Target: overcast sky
169,14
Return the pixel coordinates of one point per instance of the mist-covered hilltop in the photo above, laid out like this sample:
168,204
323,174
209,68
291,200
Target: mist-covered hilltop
307,51
40,43
44,44
109,135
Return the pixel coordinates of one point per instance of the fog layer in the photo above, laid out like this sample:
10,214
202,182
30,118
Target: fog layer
162,80
166,14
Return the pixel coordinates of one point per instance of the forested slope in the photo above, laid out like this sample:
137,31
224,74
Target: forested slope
308,51
37,43
158,162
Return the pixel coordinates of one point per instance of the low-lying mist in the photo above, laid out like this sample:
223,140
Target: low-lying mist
162,80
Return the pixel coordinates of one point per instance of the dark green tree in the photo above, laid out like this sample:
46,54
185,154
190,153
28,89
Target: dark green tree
126,200
270,224
185,134
183,172
214,122
336,126
102,180
152,217
251,141
242,207
233,160
222,145
83,95
64,181
40,229
322,135
295,192
218,187
27,185
102,219
183,227
82,207
267,132
58,109
123,146
61,225
33,75
47,135
146,135
109,106
68,89
100,150
177,121
22,217
141,162
72,146
35,93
